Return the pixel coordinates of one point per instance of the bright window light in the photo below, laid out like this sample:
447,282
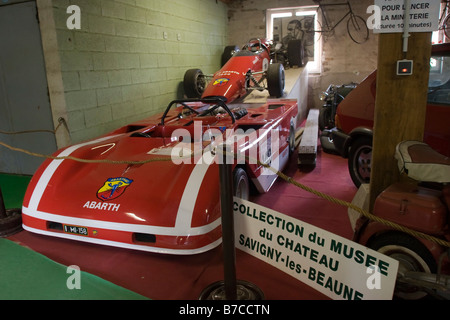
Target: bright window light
299,23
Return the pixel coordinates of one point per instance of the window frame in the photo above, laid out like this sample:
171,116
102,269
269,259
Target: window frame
314,67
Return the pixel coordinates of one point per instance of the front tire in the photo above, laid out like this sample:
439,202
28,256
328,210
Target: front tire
296,53
325,118
411,254
194,83
360,161
276,80
241,184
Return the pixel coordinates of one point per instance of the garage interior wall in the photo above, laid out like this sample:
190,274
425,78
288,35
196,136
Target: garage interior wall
129,57
343,61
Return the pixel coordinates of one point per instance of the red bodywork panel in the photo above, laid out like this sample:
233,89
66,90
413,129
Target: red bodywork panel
165,206
358,107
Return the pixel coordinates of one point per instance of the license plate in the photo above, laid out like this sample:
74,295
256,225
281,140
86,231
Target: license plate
83,231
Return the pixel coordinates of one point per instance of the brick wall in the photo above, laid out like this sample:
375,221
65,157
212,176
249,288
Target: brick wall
343,61
129,57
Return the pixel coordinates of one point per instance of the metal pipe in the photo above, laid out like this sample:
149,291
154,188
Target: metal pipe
228,245
406,34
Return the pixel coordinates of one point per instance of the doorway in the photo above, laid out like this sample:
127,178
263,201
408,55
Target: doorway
24,98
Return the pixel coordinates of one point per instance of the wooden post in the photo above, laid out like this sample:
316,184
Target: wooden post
400,104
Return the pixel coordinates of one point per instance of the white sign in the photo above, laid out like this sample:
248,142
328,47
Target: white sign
337,267
423,16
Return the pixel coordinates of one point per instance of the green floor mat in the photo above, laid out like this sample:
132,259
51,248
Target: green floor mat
27,275
13,189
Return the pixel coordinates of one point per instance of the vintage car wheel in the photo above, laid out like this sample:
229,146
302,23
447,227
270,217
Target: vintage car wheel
360,161
194,83
296,53
411,254
241,184
228,52
326,120
275,79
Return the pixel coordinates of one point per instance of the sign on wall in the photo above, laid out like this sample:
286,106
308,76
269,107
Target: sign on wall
339,268
423,16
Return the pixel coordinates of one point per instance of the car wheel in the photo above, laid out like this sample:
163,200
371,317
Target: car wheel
325,119
411,254
228,52
327,143
241,184
194,83
275,79
360,161
296,53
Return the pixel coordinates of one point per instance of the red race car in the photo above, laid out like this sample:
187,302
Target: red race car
352,136
246,69
165,197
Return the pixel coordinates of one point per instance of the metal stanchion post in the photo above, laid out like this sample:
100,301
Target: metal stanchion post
230,288
226,201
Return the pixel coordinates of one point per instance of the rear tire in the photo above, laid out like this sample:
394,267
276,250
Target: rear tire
296,53
275,80
241,184
412,256
194,83
228,52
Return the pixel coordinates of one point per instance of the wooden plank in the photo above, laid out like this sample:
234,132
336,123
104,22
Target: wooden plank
298,136
400,105
308,145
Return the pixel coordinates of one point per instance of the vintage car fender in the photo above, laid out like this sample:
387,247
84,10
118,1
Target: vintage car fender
367,231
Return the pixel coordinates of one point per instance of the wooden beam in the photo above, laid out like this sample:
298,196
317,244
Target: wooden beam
400,104
307,151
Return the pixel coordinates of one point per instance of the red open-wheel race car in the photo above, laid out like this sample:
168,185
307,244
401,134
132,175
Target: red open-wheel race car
243,70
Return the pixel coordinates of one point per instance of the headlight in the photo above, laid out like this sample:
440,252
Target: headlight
323,96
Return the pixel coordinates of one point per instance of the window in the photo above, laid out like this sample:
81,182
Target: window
439,82
440,36
284,24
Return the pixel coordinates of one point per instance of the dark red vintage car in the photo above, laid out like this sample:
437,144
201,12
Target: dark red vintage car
352,136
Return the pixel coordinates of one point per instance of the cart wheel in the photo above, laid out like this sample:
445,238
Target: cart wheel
411,254
275,79
241,184
194,83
